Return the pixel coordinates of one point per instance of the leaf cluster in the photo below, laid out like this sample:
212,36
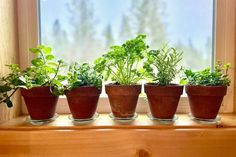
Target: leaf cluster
44,71
122,64
218,77
83,75
162,65
9,83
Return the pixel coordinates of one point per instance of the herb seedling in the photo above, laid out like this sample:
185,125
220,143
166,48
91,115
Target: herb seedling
218,77
122,64
162,65
83,75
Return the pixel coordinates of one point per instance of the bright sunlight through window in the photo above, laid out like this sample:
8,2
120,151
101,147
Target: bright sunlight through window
81,30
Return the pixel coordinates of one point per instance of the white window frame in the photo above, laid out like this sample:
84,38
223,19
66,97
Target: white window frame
224,41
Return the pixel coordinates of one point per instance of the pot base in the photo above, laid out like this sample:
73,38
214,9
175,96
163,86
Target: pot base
126,119
83,121
217,120
41,121
163,121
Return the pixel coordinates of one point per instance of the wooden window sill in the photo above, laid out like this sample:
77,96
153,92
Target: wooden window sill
105,122
107,138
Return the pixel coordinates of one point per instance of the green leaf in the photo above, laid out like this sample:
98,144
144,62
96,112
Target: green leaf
50,57
8,102
5,88
183,81
37,62
47,50
34,50
52,63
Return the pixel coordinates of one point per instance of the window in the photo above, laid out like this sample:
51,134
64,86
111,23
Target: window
81,30
187,24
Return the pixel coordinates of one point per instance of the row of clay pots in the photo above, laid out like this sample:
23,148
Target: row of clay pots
205,101
41,103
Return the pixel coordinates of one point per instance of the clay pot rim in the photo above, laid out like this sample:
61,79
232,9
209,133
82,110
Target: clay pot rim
168,90
36,87
83,87
157,85
206,90
203,86
117,85
39,91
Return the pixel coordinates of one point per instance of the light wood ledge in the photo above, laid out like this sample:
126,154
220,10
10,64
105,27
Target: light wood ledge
63,122
106,138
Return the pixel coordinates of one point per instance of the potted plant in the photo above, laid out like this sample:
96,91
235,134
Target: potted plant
83,91
161,67
39,84
206,90
122,64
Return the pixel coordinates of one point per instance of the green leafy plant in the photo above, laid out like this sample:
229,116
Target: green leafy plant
122,64
44,71
162,65
83,75
218,77
9,83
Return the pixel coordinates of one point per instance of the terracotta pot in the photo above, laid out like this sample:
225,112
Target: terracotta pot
123,99
83,101
40,102
205,101
163,100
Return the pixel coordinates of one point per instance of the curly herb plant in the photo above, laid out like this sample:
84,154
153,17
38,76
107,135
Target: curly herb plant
218,77
162,65
44,71
122,64
83,75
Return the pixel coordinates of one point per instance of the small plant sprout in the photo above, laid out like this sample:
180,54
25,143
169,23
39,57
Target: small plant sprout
162,65
218,77
83,75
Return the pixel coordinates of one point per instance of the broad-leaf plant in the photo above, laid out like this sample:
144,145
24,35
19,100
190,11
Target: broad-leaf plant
44,71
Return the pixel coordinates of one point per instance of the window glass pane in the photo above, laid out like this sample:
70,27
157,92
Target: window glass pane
81,30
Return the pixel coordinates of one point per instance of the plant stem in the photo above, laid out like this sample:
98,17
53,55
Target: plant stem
58,67
45,62
113,73
8,97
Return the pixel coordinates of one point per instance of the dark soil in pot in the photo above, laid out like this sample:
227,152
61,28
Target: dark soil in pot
205,101
83,101
40,102
163,100
123,99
